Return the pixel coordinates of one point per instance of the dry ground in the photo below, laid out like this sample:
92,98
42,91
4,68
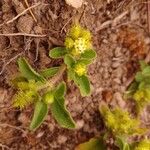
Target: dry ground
120,38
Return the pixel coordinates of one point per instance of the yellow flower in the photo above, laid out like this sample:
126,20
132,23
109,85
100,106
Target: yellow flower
119,121
69,43
139,95
75,31
143,145
80,45
80,69
78,40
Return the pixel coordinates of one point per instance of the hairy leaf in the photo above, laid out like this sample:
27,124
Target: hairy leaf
61,90
92,144
57,52
49,72
70,74
61,114
28,72
40,112
83,84
89,54
69,61
85,61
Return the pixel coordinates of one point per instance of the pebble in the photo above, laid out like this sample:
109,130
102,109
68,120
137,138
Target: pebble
61,139
115,64
79,124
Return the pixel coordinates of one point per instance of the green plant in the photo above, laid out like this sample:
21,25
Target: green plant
139,90
119,126
142,145
42,89
119,122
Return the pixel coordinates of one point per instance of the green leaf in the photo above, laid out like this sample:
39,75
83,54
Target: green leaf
131,90
143,64
139,76
146,71
70,74
92,144
61,90
69,61
28,72
40,112
49,72
89,54
83,84
122,144
57,52
85,61
61,114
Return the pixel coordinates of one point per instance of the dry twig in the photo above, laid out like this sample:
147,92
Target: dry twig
26,2
7,63
23,34
4,125
22,13
148,15
4,147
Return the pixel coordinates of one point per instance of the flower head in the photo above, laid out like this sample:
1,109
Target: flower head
78,40
119,121
80,69
143,145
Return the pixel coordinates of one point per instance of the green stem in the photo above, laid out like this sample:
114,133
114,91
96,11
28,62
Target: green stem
52,82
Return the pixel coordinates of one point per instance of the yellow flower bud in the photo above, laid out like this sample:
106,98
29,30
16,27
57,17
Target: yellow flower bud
69,43
80,69
86,35
143,145
75,31
48,98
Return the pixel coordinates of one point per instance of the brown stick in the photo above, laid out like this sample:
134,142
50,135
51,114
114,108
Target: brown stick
23,34
148,15
22,13
30,11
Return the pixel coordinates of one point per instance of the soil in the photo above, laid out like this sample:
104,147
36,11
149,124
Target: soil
120,38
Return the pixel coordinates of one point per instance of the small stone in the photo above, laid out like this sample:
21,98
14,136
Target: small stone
79,124
40,134
62,139
116,64
75,3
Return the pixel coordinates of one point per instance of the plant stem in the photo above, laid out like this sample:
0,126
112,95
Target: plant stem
51,83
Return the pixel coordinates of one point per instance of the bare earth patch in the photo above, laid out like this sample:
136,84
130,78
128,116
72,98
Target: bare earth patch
120,38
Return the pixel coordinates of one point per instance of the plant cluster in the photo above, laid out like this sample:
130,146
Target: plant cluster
119,123
119,126
44,88
139,90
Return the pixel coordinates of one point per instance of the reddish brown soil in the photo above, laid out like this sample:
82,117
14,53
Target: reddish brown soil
119,40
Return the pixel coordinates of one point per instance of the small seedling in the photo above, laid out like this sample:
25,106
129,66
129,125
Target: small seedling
42,88
139,90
